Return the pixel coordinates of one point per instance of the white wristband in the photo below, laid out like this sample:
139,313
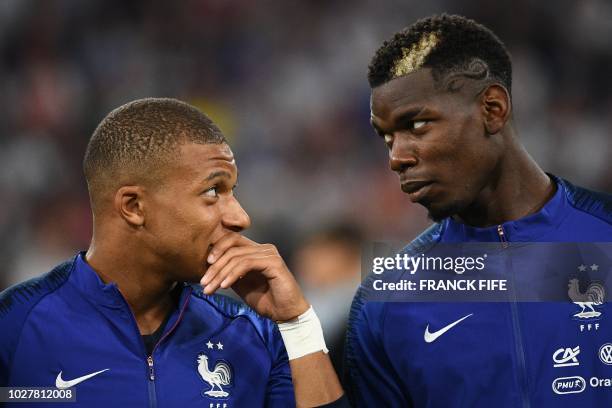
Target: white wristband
303,335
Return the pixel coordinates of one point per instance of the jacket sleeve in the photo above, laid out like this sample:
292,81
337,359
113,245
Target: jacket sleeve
9,333
16,303
370,378
279,391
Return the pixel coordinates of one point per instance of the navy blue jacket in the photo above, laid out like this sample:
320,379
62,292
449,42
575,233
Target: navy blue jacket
214,352
498,354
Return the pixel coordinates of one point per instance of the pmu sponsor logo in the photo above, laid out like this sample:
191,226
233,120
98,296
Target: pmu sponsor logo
568,385
576,384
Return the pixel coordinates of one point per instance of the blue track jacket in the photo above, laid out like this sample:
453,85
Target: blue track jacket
214,353
496,354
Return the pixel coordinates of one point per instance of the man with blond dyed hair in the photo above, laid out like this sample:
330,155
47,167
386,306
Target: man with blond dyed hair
441,102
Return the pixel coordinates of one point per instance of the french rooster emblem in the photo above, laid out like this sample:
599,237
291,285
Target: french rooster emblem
594,296
221,375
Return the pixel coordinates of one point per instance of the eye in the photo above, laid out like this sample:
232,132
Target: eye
419,123
388,140
211,192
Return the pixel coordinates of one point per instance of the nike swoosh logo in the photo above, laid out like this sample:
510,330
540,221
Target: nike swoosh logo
430,337
62,385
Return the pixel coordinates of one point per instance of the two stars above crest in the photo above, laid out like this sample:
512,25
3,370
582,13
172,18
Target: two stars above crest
212,345
583,268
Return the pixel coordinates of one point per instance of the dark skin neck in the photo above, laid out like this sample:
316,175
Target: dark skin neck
146,291
518,187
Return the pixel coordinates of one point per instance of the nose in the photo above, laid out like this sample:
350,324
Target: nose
402,153
235,217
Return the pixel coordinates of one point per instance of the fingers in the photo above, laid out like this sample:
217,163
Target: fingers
233,256
268,287
227,241
238,267
231,253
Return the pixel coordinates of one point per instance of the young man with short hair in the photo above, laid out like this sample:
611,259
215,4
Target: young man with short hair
122,324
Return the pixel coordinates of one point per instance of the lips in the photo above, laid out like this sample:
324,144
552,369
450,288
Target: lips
416,190
412,187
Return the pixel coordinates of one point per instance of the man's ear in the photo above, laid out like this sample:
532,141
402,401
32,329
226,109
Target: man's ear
129,204
496,107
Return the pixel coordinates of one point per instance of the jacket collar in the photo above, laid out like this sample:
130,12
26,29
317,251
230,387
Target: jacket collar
526,229
90,284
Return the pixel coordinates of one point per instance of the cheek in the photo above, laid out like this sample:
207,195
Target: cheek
187,225
467,145
198,224
460,158
207,219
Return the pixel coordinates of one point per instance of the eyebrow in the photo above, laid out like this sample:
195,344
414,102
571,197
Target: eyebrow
220,173
409,114
404,117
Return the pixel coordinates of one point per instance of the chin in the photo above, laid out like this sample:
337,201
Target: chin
193,275
196,277
438,212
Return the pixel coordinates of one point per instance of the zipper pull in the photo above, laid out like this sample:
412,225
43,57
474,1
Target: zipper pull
151,371
502,236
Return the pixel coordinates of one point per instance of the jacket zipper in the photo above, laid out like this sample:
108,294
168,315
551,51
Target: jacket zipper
151,370
519,348
502,236
150,362
151,383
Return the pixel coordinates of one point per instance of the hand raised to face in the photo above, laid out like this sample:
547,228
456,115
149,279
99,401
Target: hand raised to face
257,273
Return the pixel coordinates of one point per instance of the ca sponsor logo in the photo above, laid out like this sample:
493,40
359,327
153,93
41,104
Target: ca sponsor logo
568,385
605,354
566,357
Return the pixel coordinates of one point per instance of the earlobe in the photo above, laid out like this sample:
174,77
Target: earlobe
130,206
496,108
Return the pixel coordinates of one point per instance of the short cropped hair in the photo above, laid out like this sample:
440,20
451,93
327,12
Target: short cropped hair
448,44
134,141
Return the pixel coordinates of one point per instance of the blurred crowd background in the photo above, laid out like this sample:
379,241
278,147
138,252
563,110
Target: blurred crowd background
286,82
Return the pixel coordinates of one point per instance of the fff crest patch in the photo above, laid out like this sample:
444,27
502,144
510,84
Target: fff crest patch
215,371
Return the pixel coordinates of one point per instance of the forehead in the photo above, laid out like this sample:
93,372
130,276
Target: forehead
415,89
196,159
